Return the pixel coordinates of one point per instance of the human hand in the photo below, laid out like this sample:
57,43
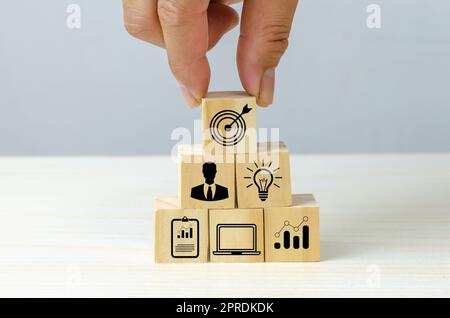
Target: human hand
187,29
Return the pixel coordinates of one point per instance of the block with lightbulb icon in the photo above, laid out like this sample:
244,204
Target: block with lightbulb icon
263,178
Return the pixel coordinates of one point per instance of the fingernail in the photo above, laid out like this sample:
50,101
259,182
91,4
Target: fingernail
267,87
190,99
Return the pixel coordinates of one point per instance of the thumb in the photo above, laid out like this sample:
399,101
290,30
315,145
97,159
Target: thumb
265,28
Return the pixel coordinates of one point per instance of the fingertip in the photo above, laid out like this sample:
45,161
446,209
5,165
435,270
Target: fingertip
189,97
262,104
250,77
260,84
193,79
252,82
267,88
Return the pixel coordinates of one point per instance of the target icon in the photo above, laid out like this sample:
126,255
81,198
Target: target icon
228,127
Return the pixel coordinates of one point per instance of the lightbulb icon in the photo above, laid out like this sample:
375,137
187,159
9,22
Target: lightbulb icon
263,178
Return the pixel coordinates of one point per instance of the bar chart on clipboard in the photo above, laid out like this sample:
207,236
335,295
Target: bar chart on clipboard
185,238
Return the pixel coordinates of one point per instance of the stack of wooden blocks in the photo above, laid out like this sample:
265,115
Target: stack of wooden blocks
235,202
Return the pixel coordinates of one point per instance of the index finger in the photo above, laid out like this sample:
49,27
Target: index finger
185,30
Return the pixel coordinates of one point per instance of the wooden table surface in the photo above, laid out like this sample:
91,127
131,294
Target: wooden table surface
84,227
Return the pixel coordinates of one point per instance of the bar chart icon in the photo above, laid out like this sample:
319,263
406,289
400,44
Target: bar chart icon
185,238
293,236
185,233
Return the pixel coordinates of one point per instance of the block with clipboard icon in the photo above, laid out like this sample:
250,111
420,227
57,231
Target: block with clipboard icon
181,235
185,238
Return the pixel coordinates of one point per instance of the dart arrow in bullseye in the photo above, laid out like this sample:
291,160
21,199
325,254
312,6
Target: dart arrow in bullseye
245,110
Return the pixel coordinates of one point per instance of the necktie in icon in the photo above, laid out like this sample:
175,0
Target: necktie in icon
209,195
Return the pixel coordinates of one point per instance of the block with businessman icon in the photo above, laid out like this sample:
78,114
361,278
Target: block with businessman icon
205,180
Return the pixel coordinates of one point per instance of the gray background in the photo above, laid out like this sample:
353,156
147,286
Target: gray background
341,87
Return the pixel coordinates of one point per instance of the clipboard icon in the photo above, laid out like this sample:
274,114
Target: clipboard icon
185,238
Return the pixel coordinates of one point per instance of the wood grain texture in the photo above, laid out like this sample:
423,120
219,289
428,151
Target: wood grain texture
263,178
169,220
74,227
239,231
292,234
222,108
192,178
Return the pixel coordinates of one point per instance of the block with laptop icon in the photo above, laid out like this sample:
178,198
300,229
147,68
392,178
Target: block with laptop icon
236,235
234,201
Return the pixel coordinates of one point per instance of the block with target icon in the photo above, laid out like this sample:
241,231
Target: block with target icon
292,234
263,178
229,122
206,180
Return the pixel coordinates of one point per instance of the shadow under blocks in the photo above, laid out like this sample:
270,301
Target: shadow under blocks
235,203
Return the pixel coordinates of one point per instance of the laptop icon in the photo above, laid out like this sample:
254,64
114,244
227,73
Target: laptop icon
236,239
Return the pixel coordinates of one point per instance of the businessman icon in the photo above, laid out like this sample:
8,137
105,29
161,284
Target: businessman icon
209,191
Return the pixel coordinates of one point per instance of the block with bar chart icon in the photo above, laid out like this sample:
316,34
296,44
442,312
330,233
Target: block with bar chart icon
263,178
229,122
206,180
181,235
236,235
292,234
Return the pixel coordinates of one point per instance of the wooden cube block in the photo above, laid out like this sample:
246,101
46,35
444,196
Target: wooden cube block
229,122
263,178
181,235
292,234
205,180
236,235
